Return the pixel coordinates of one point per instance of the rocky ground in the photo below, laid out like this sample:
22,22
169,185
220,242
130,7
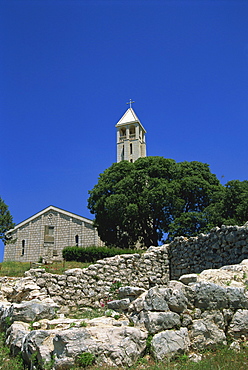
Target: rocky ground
198,312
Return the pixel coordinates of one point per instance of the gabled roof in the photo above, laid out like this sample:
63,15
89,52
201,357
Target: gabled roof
129,117
48,209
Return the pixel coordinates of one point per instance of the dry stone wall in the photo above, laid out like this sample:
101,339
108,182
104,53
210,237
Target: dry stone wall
94,284
225,245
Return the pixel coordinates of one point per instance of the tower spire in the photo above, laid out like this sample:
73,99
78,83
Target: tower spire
131,143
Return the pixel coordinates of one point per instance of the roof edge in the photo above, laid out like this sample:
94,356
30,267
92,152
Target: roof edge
47,209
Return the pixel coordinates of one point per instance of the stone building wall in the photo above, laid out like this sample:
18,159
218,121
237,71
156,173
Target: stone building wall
79,287
226,245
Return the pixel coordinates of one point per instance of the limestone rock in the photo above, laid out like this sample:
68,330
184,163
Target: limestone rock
205,333
169,343
209,296
155,299
237,297
188,278
38,347
112,346
119,305
158,321
239,325
32,310
15,335
130,291
180,296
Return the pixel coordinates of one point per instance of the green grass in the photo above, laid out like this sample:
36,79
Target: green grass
221,359
6,361
17,269
88,313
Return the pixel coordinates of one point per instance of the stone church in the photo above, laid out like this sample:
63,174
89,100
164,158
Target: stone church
48,232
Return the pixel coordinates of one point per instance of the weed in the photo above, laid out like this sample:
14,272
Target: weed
31,327
108,313
148,344
85,359
49,365
83,324
115,286
142,361
72,324
8,321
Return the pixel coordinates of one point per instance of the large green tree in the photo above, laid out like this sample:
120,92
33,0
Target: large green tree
141,201
231,206
6,220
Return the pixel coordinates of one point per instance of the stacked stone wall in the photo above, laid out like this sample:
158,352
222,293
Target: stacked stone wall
226,245
93,284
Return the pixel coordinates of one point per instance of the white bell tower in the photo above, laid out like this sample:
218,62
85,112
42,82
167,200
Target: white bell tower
131,143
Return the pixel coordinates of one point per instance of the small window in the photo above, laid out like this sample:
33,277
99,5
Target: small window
131,161
77,240
55,252
49,233
131,148
23,247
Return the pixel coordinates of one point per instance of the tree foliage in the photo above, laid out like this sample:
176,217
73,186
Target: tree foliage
231,206
140,201
6,220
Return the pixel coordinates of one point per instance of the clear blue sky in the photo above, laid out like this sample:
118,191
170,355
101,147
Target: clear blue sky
68,67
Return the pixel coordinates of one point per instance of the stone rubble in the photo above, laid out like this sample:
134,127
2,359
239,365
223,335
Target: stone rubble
171,317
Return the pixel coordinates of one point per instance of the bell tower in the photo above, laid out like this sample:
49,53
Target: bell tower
131,143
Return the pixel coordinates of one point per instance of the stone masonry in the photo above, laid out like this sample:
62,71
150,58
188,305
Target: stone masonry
225,245
90,286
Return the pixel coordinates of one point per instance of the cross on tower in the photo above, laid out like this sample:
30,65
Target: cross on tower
130,102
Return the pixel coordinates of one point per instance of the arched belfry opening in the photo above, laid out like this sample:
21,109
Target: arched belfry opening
131,143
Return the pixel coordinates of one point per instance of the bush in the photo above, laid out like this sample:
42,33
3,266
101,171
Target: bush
92,254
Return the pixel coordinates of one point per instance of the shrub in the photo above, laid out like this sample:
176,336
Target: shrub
92,254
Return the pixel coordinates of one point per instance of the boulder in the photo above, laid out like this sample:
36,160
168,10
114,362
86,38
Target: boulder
15,335
237,297
156,299
209,296
180,295
239,325
37,348
32,310
130,291
188,278
112,346
158,321
169,343
119,305
205,333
